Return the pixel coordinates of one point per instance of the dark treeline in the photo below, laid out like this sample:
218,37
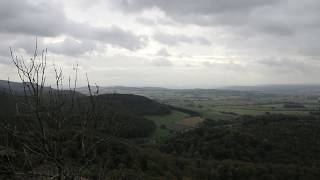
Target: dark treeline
268,141
187,111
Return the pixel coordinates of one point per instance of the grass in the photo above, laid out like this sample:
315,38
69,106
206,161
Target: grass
191,121
229,106
229,110
171,118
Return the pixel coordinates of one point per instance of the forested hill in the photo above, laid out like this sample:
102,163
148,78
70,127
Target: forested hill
127,110
136,104
281,139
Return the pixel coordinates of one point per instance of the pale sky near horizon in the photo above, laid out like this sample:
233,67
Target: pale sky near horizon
168,43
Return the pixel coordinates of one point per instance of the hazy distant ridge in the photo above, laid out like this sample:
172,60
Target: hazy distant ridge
305,89
291,89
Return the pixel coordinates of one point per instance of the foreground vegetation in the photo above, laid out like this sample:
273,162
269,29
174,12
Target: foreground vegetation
251,147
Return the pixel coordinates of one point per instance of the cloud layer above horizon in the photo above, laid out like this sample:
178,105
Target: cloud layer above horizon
180,44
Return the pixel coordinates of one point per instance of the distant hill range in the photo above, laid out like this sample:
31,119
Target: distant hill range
156,91
149,91
16,87
279,89
122,90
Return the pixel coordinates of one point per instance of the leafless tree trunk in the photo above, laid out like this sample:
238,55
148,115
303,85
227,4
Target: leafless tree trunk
43,115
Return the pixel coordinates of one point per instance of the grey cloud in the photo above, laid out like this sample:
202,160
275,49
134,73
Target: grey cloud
5,60
174,40
163,52
208,64
288,65
273,62
25,17
309,44
252,20
230,66
156,21
48,19
277,29
193,7
202,12
16,43
27,43
311,50
112,35
146,21
277,17
71,47
4,48
161,62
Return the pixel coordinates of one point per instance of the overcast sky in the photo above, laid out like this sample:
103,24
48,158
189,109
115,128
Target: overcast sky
168,43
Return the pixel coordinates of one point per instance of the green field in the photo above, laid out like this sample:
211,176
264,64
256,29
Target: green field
230,106
226,105
225,111
165,121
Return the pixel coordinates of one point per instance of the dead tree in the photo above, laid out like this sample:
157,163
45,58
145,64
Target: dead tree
44,115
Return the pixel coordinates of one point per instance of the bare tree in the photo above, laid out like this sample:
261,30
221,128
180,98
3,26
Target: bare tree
44,114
